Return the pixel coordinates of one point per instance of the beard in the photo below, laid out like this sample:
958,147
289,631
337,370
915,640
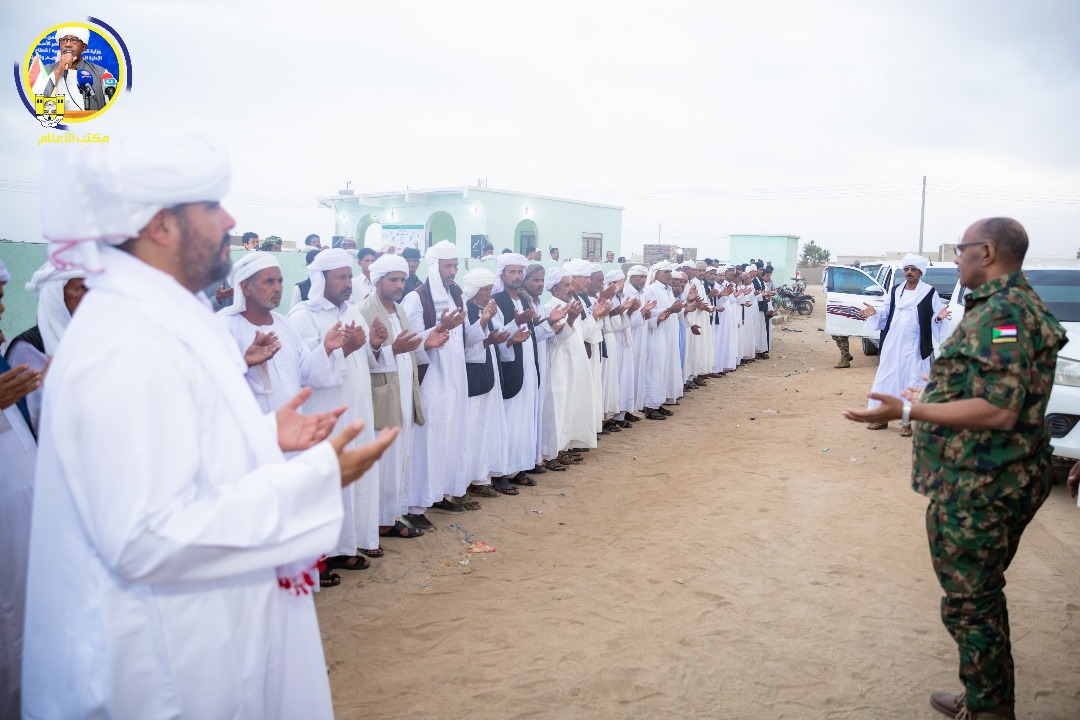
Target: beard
203,264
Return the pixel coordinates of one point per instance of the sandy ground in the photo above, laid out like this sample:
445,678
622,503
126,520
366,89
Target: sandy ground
756,556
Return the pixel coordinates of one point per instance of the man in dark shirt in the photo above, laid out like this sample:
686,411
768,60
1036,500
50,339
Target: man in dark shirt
982,454
412,256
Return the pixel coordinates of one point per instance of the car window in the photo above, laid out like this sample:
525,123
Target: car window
943,279
848,280
1060,290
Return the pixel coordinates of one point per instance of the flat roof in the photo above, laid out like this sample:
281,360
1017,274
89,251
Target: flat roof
462,190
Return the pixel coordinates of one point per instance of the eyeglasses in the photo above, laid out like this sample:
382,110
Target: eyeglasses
959,249
69,39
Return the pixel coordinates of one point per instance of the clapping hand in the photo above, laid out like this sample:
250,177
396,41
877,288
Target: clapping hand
17,383
487,313
335,339
406,342
354,338
451,319
558,314
519,337
436,338
264,347
524,316
379,334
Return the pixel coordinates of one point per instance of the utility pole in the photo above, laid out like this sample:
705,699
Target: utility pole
922,213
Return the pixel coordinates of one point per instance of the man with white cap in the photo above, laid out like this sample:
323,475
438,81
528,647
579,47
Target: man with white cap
663,369
485,429
519,370
186,543
592,328
395,390
437,474
635,290
910,323
698,339
279,363
72,75
546,328
747,315
58,293
571,375
324,313
18,455
617,370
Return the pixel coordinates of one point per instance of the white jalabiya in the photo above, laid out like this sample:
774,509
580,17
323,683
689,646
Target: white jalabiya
901,365
609,366
312,320
437,469
663,368
725,332
486,424
747,328
761,332
361,287
698,347
161,511
627,358
394,464
545,422
520,410
18,454
639,335
293,367
571,385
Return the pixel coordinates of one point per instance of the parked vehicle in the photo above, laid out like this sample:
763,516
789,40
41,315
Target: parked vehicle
849,289
793,301
1059,288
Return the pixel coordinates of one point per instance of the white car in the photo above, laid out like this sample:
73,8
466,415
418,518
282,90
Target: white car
848,289
1059,289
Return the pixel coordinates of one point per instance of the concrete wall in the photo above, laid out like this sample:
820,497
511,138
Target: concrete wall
559,223
782,250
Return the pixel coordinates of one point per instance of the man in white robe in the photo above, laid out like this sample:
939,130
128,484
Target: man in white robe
395,391
635,290
437,473
546,326
279,363
618,372
747,309
184,543
592,329
571,374
362,286
18,455
663,368
698,341
909,321
324,312
519,371
486,429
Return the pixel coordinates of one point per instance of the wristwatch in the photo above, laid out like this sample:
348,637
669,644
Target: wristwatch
905,417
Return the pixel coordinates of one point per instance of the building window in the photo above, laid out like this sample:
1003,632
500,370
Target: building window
592,246
479,246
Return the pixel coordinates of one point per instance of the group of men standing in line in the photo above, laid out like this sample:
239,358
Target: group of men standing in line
490,383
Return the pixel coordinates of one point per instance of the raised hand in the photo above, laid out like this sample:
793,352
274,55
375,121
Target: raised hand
299,432
406,342
436,338
558,314
379,334
601,309
17,383
609,292
487,313
524,316
867,312
946,312
519,337
357,461
264,347
497,338
557,327
223,293
335,339
451,319
696,329
354,338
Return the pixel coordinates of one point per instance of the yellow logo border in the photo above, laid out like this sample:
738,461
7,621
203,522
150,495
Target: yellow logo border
97,30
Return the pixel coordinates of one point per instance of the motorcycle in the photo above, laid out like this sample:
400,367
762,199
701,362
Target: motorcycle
794,301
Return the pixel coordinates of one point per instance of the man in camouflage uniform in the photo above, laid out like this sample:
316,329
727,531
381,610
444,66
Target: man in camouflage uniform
982,455
843,343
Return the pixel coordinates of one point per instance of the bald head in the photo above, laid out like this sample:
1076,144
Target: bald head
1007,236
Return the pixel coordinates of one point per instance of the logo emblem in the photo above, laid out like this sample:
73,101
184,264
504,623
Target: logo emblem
49,110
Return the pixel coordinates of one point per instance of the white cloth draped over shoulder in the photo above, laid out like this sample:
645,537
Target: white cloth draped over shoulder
901,365
152,588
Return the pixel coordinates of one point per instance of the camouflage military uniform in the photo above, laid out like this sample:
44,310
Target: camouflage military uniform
845,351
985,485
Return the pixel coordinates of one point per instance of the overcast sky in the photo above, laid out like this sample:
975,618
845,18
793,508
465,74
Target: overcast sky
816,119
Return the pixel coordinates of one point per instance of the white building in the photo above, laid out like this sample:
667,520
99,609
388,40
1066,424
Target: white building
475,217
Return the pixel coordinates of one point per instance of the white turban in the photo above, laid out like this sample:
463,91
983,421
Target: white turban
385,265
701,265
52,314
4,276
504,261
661,266
614,276
678,275
918,261
578,268
79,32
639,270
243,269
554,276
112,190
444,250
325,261
475,281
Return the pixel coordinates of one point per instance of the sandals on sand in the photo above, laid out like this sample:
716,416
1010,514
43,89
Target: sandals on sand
347,562
329,579
402,530
484,491
523,480
376,553
503,485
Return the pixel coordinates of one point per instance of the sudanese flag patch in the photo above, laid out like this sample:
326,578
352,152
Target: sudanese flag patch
1004,334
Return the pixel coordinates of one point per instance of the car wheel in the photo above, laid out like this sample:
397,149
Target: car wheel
869,348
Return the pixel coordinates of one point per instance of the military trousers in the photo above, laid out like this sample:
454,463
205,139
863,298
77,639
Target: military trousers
971,547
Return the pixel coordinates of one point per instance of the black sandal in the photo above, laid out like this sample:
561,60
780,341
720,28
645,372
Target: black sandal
503,485
399,528
522,479
329,579
376,553
342,562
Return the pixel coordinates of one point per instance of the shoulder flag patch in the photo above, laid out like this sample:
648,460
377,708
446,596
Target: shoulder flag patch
1004,334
